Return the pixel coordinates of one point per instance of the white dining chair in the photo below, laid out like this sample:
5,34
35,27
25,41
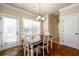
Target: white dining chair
52,40
27,47
44,44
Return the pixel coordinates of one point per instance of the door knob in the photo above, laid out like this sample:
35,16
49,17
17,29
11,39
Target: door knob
76,33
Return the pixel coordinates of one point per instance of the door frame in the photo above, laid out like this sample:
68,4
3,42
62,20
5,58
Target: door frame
1,35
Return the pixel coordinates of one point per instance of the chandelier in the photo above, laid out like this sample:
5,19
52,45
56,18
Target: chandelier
39,17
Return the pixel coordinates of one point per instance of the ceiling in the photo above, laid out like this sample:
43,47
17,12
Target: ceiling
45,8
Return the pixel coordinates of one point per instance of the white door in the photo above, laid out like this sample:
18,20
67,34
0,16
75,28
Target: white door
75,30
68,31
78,32
0,31
71,31
10,37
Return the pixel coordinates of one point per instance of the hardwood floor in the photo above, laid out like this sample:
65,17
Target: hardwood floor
63,51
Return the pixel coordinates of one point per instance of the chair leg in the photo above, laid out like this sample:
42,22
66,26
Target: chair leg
36,52
28,53
39,50
51,43
43,51
24,52
31,50
47,49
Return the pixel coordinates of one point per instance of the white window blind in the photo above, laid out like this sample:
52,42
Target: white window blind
31,29
9,29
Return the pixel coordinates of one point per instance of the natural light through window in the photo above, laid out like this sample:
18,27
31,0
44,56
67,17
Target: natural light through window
31,29
9,29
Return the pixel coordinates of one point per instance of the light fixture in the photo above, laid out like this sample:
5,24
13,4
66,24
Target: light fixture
42,18
39,17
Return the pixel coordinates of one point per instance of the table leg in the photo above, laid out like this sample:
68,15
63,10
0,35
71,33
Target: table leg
31,50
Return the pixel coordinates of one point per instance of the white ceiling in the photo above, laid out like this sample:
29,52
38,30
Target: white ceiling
45,8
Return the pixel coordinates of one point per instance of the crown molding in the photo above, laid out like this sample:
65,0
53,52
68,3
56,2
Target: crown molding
17,9
67,7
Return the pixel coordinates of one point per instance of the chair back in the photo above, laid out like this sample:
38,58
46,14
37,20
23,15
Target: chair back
45,39
26,43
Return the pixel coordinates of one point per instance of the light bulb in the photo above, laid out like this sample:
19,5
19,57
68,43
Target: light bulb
38,17
42,18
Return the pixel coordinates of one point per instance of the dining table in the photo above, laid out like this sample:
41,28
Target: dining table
36,42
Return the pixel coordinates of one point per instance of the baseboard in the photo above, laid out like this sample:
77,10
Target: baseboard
10,48
61,44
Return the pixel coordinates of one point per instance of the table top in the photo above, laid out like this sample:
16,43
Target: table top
36,40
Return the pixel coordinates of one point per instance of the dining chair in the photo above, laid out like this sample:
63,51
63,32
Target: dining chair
27,47
44,44
52,40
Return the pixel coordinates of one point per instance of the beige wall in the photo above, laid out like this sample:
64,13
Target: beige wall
53,25
45,24
69,10
50,24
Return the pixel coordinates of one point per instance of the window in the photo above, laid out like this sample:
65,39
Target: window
31,28
9,29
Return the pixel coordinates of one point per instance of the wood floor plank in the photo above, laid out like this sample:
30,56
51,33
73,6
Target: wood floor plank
63,51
